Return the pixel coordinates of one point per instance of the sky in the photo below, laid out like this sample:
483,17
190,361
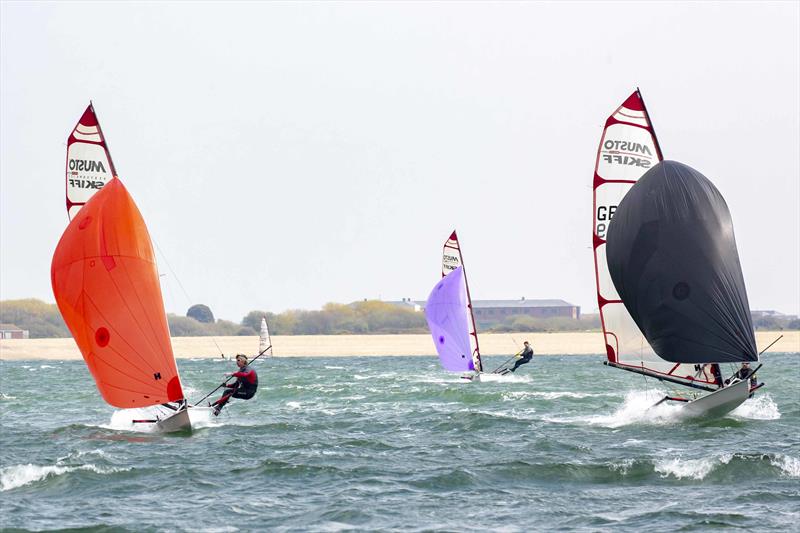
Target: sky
285,155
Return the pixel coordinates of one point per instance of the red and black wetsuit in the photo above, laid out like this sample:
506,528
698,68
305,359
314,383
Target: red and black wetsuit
244,388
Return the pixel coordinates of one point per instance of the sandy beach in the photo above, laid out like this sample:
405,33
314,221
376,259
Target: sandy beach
359,345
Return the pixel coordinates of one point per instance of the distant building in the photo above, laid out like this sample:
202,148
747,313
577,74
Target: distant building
495,310
498,309
770,313
10,331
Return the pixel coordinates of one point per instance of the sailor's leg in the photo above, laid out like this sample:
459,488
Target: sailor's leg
219,404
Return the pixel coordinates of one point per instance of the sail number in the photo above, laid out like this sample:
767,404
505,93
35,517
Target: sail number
603,216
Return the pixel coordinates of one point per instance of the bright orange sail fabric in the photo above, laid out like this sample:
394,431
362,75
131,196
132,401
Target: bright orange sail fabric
106,285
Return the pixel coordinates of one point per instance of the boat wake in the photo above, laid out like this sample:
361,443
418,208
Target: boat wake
637,408
123,419
487,377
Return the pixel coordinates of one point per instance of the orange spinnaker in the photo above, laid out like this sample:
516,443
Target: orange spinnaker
106,285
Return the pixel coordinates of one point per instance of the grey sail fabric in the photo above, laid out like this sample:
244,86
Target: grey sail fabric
673,260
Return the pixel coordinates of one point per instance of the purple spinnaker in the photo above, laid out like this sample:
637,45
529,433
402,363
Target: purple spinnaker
446,312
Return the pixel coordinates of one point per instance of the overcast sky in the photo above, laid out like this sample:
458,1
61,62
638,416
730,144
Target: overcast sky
288,155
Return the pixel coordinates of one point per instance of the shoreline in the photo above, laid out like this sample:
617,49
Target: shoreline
558,343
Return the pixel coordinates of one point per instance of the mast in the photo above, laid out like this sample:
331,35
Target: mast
652,127
104,141
450,263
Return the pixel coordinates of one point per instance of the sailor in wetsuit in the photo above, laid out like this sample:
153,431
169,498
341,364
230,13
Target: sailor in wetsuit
743,373
244,388
525,356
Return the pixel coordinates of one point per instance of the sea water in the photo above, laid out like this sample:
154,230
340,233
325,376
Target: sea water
396,443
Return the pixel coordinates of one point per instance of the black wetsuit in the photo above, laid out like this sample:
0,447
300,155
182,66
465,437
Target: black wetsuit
743,374
245,387
526,356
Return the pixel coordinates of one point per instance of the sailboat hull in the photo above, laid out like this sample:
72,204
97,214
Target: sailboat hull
178,421
720,402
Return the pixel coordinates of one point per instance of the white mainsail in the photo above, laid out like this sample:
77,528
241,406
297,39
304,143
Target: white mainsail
264,339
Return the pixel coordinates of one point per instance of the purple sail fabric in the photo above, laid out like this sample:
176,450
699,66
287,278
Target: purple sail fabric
446,312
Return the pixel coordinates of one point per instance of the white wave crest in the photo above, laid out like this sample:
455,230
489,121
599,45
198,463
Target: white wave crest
762,407
12,477
790,466
4,396
691,468
623,466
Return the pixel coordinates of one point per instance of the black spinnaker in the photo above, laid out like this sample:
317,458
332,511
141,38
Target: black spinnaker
672,256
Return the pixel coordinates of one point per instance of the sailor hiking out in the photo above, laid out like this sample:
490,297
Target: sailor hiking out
244,388
524,358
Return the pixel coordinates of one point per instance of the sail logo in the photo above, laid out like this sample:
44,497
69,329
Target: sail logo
85,165
86,184
627,153
450,262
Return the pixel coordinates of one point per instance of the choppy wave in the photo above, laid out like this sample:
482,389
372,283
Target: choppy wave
12,477
691,468
789,466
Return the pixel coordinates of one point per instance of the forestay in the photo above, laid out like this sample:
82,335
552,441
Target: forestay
628,148
446,312
107,288
89,165
451,260
673,260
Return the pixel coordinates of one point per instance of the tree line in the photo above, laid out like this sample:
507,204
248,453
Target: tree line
43,320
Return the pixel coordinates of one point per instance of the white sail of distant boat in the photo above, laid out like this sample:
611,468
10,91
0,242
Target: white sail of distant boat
264,339
628,150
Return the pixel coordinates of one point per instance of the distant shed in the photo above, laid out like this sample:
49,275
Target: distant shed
10,331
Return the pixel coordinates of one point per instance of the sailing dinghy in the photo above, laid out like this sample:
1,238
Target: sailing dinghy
669,284
107,288
264,339
450,317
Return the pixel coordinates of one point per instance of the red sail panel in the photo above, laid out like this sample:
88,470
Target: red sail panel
89,164
107,288
628,148
451,260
